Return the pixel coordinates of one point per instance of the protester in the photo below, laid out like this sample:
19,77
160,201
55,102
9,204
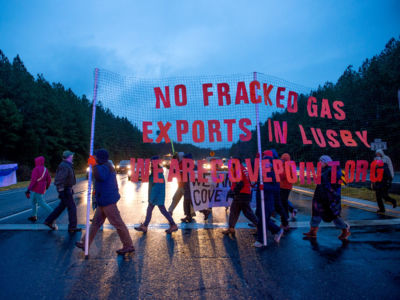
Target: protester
285,189
326,202
180,190
40,182
270,191
187,198
279,208
386,159
64,181
157,198
382,187
241,199
106,196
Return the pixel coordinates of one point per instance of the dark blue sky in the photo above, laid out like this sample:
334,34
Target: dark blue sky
305,42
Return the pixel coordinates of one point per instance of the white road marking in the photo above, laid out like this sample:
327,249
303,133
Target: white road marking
241,225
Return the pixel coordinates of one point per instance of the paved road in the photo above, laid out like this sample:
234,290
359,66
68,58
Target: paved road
197,264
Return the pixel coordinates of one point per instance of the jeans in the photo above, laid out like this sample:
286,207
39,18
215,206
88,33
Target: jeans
162,209
110,212
67,201
339,223
37,200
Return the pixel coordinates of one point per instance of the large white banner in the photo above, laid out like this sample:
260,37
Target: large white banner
210,194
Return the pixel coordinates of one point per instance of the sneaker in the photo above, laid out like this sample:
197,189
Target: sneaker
80,245
229,231
33,219
52,226
277,237
75,229
125,250
141,228
172,228
187,220
257,244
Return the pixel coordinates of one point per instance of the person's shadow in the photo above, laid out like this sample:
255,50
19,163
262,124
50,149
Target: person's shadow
331,254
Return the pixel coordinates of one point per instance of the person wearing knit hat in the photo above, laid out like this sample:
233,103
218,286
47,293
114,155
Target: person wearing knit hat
156,198
106,195
64,181
326,202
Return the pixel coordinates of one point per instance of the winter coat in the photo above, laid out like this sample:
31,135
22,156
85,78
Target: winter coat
65,176
156,190
386,159
285,184
326,202
40,179
386,181
105,185
243,186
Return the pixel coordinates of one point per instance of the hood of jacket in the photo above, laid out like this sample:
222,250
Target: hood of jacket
39,161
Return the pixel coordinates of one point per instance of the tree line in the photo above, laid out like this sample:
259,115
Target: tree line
370,97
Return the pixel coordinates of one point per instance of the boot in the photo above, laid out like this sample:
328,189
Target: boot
344,235
229,231
141,228
33,219
312,233
125,250
172,228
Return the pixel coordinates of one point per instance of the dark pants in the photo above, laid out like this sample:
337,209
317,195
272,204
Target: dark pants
268,209
383,193
241,204
284,195
67,201
279,208
188,207
162,209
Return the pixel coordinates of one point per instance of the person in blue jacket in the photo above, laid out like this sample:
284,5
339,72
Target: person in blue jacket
271,191
106,196
157,198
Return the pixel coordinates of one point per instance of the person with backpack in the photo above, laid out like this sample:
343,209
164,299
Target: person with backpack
106,196
40,183
326,202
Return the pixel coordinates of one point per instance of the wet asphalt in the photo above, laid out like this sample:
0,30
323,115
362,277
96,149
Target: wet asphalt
198,263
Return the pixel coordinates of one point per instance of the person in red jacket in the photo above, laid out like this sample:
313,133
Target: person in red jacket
241,192
40,182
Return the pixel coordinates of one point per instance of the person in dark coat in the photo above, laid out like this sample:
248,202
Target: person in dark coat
64,181
187,198
382,187
241,192
40,183
107,196
157,198
326,202
270,191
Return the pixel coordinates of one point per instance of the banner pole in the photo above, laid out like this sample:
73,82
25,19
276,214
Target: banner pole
96,76
261,187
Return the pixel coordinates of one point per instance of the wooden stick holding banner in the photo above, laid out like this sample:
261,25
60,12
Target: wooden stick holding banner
261,187
89,194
